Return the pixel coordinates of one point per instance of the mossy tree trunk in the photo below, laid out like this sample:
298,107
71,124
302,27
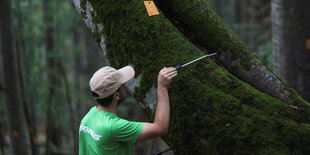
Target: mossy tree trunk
213,111
206,30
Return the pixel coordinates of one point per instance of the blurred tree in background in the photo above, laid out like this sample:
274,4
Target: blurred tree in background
251,20
10,83
290,28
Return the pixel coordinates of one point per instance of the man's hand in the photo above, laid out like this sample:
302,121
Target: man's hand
161,123
165,75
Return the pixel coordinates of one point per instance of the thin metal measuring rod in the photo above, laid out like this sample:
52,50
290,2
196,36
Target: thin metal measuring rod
189,63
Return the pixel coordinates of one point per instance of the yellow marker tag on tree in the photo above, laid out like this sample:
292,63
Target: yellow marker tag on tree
151,8
308,44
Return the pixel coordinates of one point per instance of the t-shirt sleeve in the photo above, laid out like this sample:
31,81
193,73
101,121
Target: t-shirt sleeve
126,131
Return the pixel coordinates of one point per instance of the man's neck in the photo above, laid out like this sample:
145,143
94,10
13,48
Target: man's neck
112,108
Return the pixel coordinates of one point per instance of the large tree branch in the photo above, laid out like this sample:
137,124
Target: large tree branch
207,31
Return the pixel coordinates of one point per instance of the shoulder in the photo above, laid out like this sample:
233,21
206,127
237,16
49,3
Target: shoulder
88,115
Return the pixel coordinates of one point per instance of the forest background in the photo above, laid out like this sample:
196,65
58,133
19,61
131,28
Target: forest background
56,97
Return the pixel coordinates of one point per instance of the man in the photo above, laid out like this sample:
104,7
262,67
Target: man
102,132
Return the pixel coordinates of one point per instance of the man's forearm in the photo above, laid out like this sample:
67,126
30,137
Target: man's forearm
162,114
161,122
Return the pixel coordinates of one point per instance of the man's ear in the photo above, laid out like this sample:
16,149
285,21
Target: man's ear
116,95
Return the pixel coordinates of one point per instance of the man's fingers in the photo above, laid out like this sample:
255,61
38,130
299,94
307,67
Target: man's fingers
171,68
168,73
167,70
163,70
165,75
172,76
171,73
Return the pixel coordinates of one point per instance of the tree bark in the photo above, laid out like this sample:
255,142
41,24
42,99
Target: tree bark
13,104
212,111
234,55
290,25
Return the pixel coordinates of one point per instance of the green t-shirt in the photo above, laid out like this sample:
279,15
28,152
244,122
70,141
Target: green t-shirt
102,132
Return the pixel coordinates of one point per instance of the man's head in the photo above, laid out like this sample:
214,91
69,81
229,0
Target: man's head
107,84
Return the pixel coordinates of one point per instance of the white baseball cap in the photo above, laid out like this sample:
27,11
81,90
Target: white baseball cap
107,80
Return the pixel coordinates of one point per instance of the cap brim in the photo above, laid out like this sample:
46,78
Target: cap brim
127,73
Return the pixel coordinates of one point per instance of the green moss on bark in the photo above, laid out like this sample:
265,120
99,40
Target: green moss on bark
212,112
147,42
203,26
248,95
236,118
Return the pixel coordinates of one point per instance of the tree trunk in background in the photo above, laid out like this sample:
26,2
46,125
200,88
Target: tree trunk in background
26,52
291,28
258,11
13,104
21,50
71,110
32,137
53,80
243,12
212,111
241,20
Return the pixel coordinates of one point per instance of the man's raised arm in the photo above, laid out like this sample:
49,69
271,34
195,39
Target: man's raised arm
161,123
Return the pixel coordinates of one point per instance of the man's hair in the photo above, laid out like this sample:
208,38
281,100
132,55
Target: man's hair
105,101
